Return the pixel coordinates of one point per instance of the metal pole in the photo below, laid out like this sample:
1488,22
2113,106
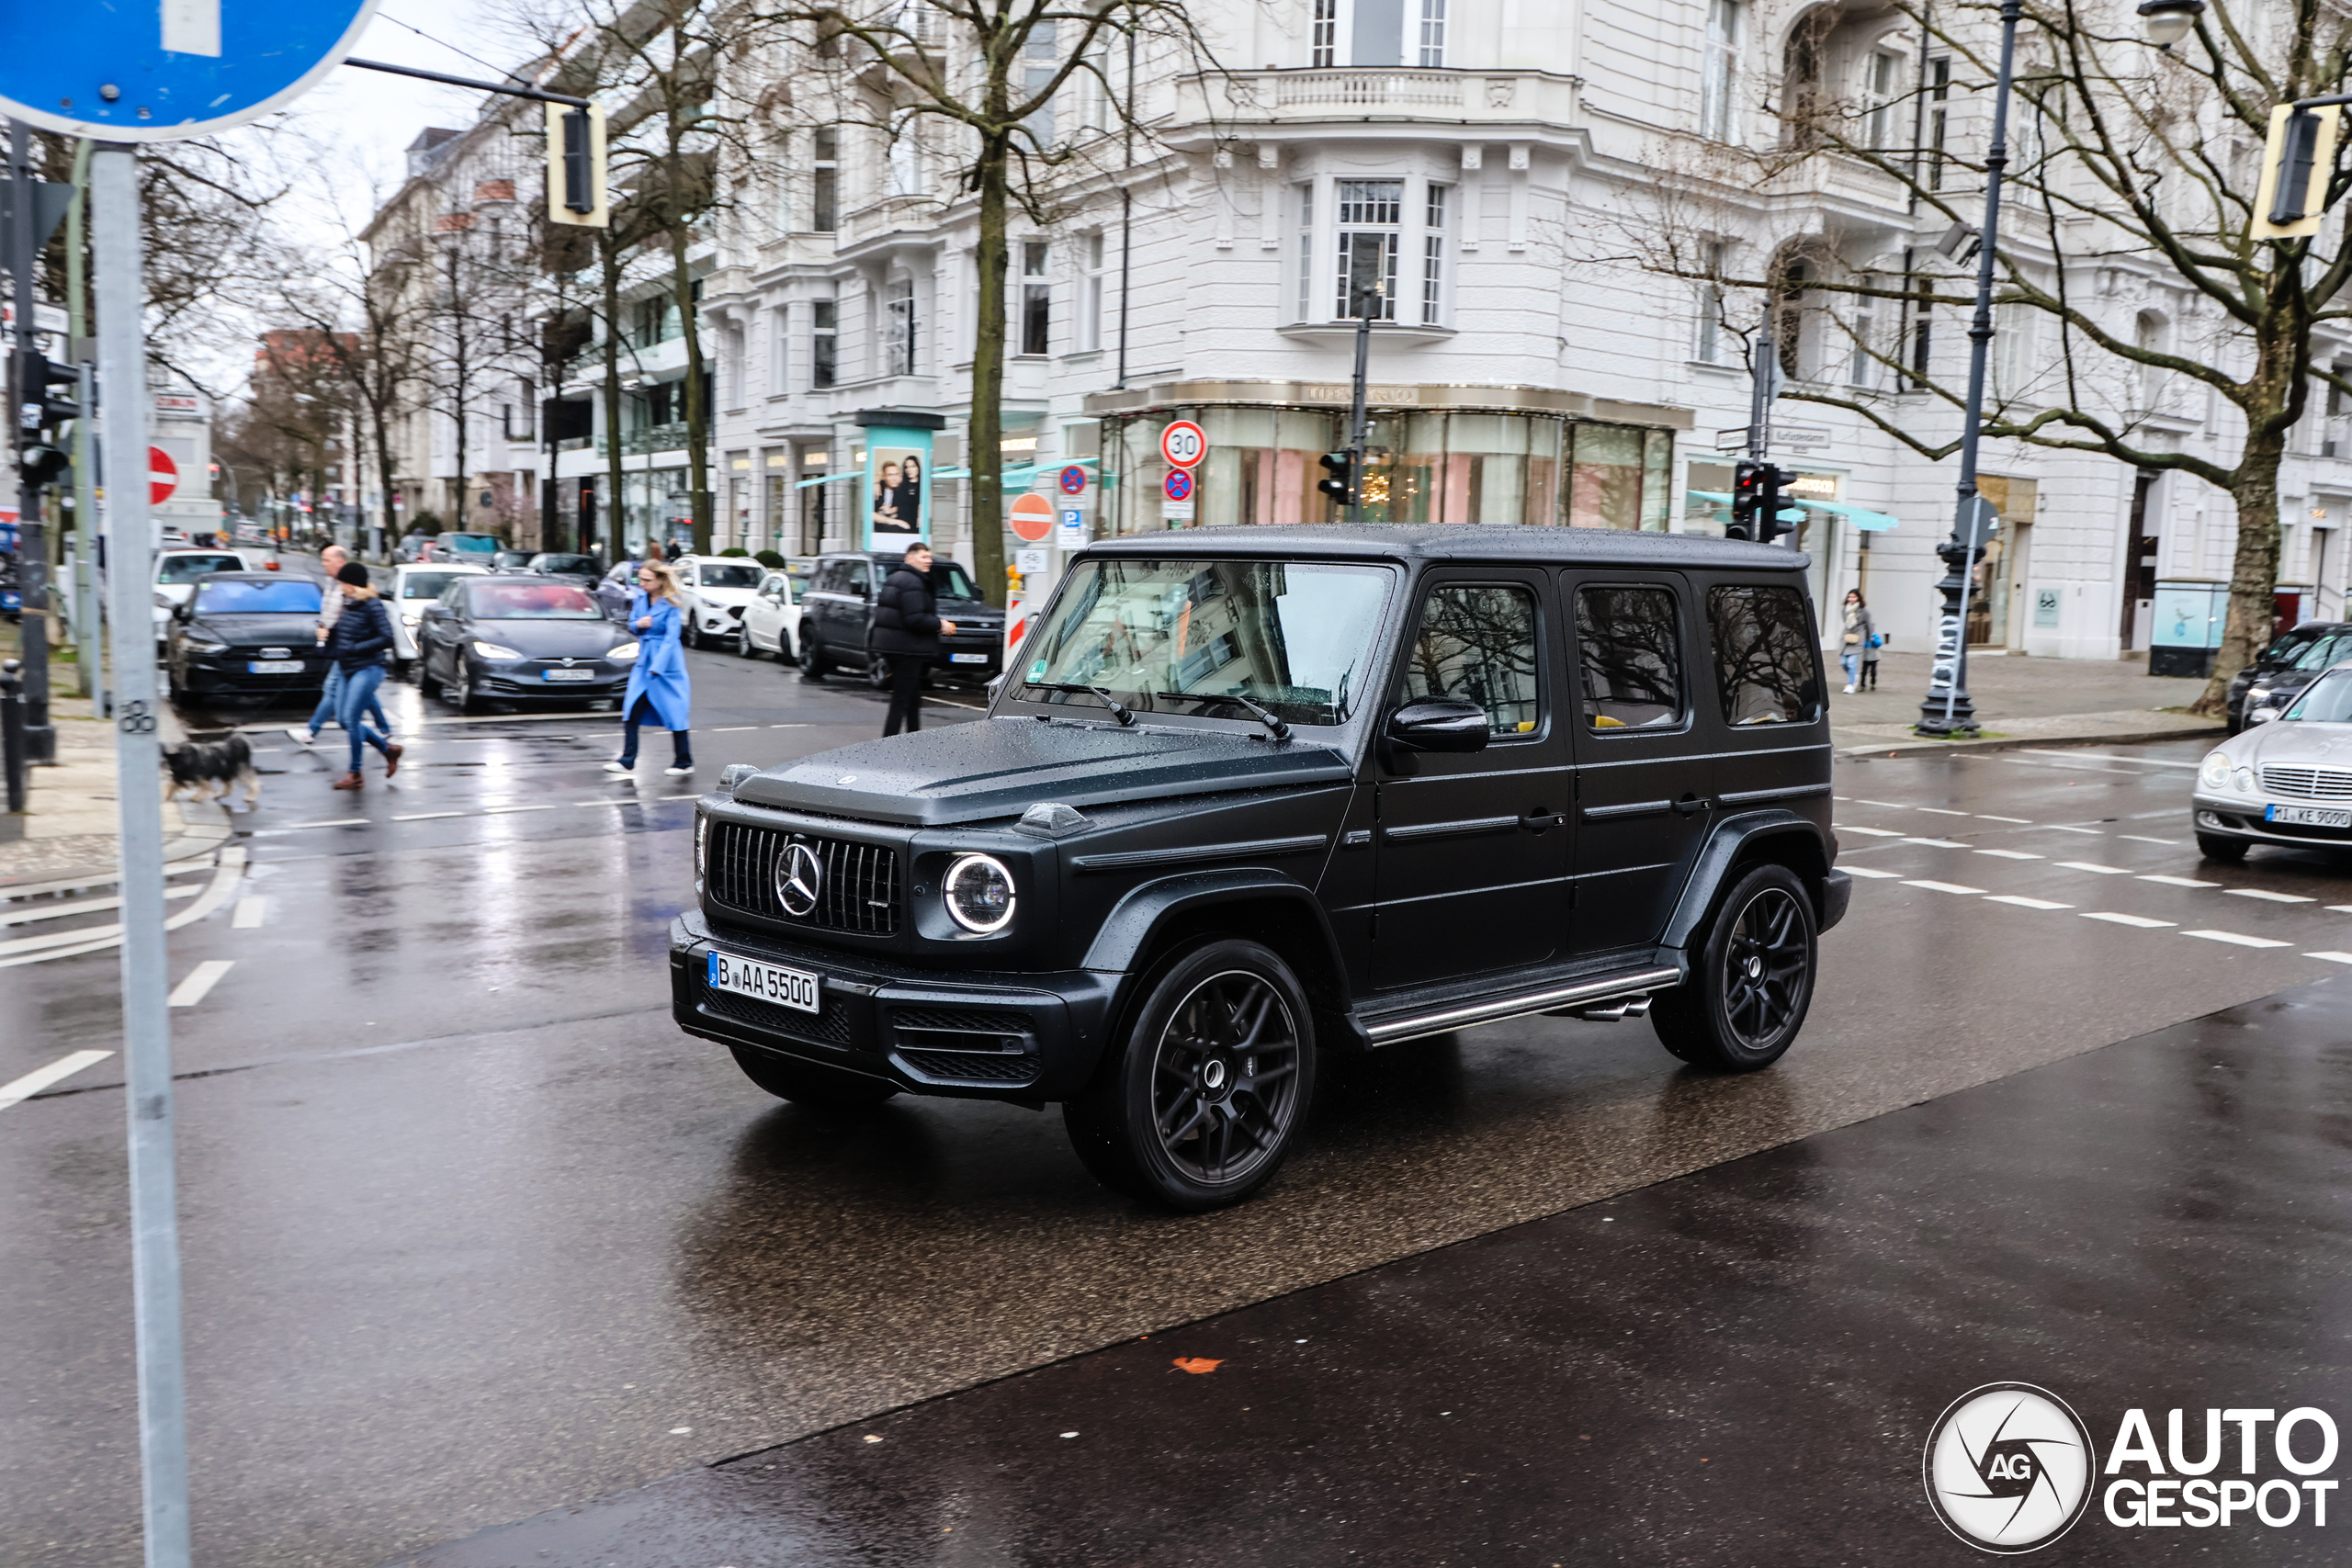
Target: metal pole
1357,434
32,538
1946,710
146,1020
85,509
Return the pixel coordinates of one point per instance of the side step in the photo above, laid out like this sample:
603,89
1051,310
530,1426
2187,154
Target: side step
1611,996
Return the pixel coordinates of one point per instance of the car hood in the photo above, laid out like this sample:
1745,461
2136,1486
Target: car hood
176,593
551,639
999,767
961,611
2299,744
297,631
725,595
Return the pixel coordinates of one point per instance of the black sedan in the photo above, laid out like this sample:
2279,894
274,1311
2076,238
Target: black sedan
2264,688
520,638
252,634
580,569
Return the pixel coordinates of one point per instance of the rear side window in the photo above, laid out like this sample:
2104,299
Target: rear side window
1629,653
1764,661
1478,643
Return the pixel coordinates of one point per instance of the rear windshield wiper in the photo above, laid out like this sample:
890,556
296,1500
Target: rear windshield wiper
1274,725
1118,710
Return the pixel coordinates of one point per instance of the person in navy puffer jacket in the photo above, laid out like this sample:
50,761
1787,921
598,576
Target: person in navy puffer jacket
358,642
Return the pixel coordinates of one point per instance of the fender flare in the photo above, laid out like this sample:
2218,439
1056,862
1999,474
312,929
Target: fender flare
1730,838
1128,928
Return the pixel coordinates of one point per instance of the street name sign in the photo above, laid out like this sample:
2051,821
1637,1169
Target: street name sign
167,69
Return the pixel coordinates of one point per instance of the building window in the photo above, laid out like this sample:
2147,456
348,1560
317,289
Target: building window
1433,256
1938,112
1433,32
825,180
1036,298
1306,252
899,327
1881,73
1719,73
779,354
517,419
1089,325
823,318
1708,347
1323,35
1862,369
1371,214
1036,73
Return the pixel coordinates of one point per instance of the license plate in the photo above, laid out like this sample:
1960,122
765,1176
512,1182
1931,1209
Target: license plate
2309,816
567,674
967,659
768,982
275,667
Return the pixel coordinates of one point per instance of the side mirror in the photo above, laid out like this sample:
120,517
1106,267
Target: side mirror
1439,724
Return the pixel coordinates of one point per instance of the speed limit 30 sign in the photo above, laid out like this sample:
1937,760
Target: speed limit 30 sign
1184,443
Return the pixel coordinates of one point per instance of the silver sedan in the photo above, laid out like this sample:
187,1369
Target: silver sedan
2288,782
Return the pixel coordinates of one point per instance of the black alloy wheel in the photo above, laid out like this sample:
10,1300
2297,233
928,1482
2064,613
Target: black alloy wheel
814,665
1205,1099
1751,979
811,1084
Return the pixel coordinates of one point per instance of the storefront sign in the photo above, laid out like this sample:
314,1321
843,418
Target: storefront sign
1345,392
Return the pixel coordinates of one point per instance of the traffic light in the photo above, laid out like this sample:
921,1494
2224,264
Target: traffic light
39,405
576,166
39,465
2297,164
1769,499
1341,486
1747,488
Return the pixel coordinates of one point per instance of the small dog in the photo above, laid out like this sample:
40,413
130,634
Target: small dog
212,770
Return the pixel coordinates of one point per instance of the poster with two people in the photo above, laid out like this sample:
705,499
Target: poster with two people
898,473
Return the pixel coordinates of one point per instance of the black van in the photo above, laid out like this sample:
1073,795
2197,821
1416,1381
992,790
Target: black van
1250,795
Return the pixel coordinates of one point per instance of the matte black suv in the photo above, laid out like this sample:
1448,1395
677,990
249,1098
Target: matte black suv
1258,793
837,618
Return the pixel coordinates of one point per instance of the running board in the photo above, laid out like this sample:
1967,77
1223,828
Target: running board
1592,998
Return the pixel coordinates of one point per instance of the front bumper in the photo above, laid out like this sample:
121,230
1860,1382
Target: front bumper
2232,817
524,683
225,673
960,1033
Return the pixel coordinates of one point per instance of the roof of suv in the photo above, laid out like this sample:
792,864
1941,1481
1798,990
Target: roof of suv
1457,541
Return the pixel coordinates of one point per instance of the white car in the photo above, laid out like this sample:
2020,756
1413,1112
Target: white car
176,575
414,587
772,623
2285,781
718,590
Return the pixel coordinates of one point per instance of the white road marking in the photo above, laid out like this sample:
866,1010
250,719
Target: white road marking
2020,821
2332,958
803,725
200,981
1943,887
11,893
2339,908
2268,896
2062,827
504,810
65,944
80,906
678,797
1897,804
2143,839
2180,881
40,1078
2236,941
2008,855
1866,871
299,826
1869,833
249,914
2109,757
1841,797
2140,920
2093,865
425,816
1938,843
1945,811
732,728
2024,903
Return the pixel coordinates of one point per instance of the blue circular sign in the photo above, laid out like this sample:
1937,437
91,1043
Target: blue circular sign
168,70
1073,480
1179,484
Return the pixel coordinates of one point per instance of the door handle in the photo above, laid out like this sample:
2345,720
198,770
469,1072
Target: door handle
1690,804
1539,821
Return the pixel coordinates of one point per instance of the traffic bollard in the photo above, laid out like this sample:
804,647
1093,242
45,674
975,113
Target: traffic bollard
12,733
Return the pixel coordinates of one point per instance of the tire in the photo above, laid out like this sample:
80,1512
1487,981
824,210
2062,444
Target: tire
1751,980
1223,1046
814,665
784,654
877,671
2221,851
811,1083
743,648
427,683
460,691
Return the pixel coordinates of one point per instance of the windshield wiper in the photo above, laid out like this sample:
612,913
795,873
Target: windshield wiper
1274,725
1118,710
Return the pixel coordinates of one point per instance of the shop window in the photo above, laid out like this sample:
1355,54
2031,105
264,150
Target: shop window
1766,670
1477,644
1629,657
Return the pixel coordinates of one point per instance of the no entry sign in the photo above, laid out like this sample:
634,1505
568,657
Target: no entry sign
163,476
1032,518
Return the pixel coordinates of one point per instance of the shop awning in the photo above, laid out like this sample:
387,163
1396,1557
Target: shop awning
1864,518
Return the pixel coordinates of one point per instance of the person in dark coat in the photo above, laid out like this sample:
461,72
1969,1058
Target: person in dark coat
358,642
907,629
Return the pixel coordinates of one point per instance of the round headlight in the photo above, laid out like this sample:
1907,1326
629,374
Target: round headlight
2215,773
2244,780
978,892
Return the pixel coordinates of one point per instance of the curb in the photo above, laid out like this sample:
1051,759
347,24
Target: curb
1894,748
200,839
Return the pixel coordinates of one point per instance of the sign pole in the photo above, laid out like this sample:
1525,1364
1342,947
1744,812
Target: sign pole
32,536
146,1018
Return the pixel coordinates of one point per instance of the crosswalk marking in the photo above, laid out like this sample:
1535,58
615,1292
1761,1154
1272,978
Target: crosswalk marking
2237,940
1942,886
40,1078
2264,892
1866,871
2020,821
2024,903
2140,922
249,913
1938,843
2008,855
1869,833
2177,881
2332,958
2094,865
200,981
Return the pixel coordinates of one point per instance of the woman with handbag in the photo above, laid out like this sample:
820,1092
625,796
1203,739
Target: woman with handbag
1860,636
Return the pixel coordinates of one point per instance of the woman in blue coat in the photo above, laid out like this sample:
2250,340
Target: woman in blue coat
657,683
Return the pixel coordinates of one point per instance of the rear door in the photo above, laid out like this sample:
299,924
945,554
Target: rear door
1772,726
1645,777
1472,872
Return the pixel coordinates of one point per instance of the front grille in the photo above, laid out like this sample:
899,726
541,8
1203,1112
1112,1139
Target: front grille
859,886
975,1023
830,1027
969,1066
2308,783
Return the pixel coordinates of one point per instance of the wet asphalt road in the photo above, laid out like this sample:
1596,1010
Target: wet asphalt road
472,1231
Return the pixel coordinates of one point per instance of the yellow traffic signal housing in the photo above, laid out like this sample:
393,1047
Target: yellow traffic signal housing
2297,164
576,166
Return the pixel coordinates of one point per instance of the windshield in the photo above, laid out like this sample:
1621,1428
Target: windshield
256,598
948,582
510,600
187,568
586,564
714,574
2327,700
1290,636
472,544
428,584
2324,651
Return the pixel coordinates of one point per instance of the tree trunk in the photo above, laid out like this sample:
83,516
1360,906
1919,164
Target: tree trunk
987,423
2254,575
681,287
608,252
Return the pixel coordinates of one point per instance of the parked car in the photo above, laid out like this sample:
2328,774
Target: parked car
613,589
580,569
176,575
411,547
2285,781
481,549
247,634
510,560
771,622
517,639
718,590
412,589
2284,668
837,618
1262,794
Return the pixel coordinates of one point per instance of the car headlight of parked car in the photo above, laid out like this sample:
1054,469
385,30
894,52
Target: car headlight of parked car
2214,772
492,651
2242,781
204,645
625,651
978,892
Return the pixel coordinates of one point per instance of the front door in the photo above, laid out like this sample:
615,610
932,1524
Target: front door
1473,858
1644,777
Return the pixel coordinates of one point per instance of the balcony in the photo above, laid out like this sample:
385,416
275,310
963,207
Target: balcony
1509,98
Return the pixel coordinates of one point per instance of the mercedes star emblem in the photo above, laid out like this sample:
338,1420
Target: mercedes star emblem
799,875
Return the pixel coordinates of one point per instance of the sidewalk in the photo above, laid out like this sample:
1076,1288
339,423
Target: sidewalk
70,826
2020,701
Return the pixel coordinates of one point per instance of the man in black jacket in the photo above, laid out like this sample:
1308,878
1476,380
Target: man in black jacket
907,629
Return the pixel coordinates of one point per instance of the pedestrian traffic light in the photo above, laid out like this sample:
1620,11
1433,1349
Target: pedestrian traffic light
39,404
1341,484
576,166
2298,161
